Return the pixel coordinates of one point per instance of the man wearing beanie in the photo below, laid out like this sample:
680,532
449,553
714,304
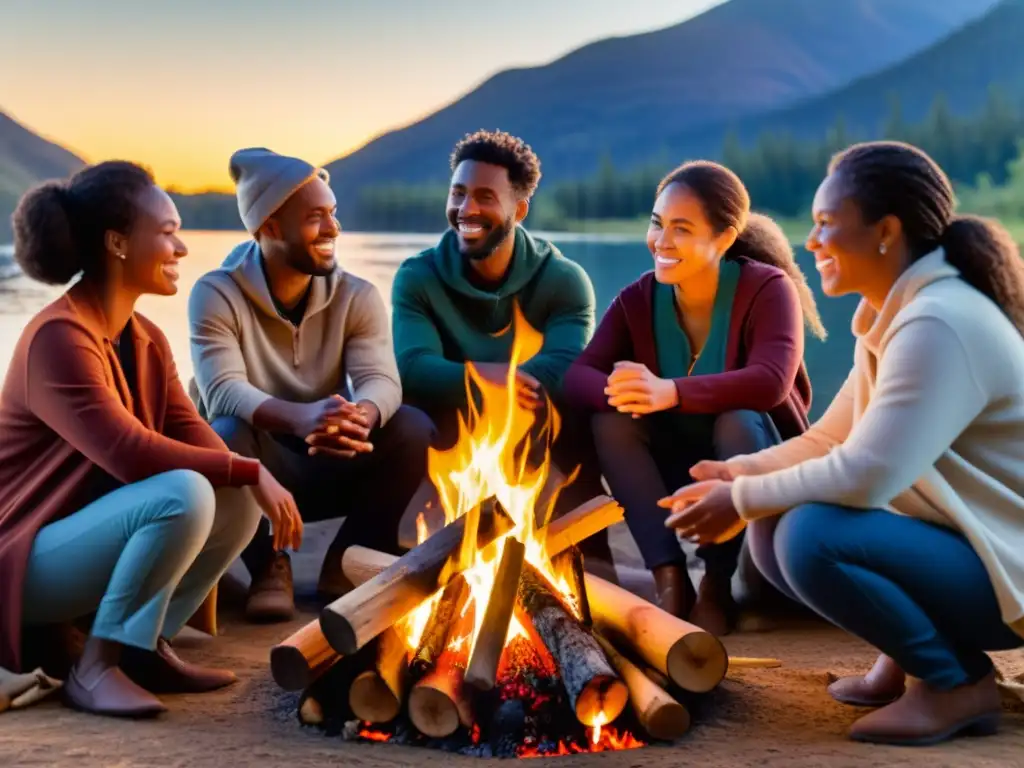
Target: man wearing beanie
294,365
453,302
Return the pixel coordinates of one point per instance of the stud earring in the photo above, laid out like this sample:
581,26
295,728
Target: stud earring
882,249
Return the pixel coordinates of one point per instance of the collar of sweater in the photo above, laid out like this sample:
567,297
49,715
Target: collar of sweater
244,265
870,326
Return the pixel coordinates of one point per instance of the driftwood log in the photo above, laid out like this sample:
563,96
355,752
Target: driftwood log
482,670
439,701
596,693
661,716
296,662
355,618
693,659
376,695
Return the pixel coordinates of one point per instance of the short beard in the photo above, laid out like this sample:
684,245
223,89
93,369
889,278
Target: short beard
490,244
299,259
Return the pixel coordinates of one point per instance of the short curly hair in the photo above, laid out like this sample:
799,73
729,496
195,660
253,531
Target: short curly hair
505,150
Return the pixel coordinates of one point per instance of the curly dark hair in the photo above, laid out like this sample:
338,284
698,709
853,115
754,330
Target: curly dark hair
60,226
505,150
726,204
891,178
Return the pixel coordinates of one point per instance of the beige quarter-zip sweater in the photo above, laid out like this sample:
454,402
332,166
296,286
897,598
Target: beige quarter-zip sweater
244,352
930,424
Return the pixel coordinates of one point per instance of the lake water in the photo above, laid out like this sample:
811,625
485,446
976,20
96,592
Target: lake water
610,262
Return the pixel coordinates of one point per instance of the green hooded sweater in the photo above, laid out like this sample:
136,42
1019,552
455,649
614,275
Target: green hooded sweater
441,320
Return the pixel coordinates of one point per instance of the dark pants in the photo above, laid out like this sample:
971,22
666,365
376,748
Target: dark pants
916,591
370,491
646,459
573,447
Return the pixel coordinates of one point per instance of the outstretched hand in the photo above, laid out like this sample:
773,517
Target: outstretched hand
633,388
704,512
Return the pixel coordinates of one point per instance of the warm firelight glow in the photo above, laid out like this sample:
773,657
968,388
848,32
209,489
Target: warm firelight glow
489,460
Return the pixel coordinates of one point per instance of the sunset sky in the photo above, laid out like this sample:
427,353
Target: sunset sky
181,85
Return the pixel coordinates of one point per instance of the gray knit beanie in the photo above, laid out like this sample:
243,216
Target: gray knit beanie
264,180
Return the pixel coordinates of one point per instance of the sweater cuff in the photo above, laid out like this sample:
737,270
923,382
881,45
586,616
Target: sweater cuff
744,498
243,471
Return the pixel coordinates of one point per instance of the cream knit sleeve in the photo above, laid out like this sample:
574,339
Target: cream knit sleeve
926,394
824,435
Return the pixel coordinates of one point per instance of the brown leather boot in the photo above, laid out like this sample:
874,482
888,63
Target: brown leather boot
715,610
924,715
674,589
109,692
271,597
163,671
882,685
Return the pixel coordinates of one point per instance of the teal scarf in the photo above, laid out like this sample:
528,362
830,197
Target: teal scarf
670,340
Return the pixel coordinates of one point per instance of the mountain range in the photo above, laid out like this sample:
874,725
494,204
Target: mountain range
26,158
746,65
641,97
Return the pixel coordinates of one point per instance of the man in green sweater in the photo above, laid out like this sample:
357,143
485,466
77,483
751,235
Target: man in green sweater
451,304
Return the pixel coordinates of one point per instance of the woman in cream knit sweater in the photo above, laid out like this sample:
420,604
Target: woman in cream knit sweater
899,516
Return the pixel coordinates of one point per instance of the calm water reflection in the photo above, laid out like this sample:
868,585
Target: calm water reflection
611,264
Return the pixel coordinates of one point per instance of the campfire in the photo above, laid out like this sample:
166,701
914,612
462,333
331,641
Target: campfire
488,637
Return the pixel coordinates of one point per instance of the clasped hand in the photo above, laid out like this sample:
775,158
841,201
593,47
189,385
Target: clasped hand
632,388
339,428
704,512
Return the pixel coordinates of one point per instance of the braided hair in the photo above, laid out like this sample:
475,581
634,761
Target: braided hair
888,178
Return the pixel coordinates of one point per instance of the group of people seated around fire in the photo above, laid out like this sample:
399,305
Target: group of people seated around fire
126,493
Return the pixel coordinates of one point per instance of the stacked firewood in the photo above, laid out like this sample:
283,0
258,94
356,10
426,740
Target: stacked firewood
610,648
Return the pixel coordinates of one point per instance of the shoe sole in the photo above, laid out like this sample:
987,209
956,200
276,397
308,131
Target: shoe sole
146,714
853,701
983,725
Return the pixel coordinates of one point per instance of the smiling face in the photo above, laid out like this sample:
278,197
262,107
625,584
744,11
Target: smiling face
482,208
306,228
851,255
680,238
153,248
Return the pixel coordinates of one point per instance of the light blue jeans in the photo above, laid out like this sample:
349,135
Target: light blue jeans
143,557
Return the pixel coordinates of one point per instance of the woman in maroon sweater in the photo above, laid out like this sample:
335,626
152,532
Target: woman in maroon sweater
700,358
117,501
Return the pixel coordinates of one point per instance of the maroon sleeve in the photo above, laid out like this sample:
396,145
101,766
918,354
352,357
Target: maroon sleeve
587,377
70,394
775,349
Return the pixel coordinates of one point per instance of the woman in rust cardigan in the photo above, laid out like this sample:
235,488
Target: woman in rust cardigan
117,502
700,358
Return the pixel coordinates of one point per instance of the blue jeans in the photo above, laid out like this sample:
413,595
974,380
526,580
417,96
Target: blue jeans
644,460
916,591
143,558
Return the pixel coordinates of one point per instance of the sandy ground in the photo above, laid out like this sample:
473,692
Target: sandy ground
775,717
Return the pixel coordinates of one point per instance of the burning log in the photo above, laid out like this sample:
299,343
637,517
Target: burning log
438,702
376,695
298,661
357,617
694,659
435,635
581,523
661,716
490,642
596,693
570,562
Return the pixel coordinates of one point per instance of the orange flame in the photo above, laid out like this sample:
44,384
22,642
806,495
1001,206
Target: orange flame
491,459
